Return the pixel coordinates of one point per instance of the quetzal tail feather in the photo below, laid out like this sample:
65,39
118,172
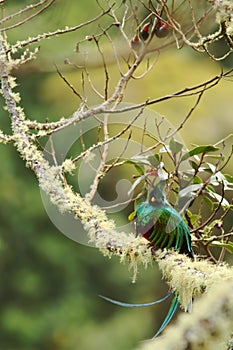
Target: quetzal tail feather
136,305
170,314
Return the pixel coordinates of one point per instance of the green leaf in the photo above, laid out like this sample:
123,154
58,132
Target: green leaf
208,229
175,146
228,246
139,168
154,160
219,199
197,180
194,218
190,190
193,165
136,183
199,150
209,203
218,178
229,178
212,167
210,188
207,170
138,159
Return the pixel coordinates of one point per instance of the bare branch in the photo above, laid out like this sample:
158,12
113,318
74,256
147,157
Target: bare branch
40,37
27,19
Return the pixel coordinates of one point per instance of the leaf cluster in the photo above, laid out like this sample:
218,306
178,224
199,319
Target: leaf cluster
197,186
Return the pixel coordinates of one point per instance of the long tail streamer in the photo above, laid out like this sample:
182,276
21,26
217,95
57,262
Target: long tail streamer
136,305
170,314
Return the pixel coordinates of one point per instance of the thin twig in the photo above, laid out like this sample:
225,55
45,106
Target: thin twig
100,170
110,139
22,11
103,108
27,19
68,83
40,37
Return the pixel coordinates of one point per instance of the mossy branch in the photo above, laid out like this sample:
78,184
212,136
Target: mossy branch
191,279
209,326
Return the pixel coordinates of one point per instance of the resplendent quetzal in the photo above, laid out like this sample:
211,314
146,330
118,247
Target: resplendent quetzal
158,222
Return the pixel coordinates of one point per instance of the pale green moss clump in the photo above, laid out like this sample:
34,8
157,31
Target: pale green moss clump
131,250
224,13
208,327
190,279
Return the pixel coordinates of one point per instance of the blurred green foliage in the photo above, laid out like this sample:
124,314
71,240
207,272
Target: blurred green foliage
49,284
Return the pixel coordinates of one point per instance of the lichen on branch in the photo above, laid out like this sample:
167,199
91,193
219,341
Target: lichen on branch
209,326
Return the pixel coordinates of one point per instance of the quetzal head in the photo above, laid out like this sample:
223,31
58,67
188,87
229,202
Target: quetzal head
157,197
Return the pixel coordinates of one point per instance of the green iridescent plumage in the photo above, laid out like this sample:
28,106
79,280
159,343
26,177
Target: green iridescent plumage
161,224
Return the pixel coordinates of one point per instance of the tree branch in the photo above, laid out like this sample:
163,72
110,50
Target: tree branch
209,327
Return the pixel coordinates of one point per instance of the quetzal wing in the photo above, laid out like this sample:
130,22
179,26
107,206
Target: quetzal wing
164,228
177,228
166,232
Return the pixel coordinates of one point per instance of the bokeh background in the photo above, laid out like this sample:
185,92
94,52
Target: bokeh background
50,284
